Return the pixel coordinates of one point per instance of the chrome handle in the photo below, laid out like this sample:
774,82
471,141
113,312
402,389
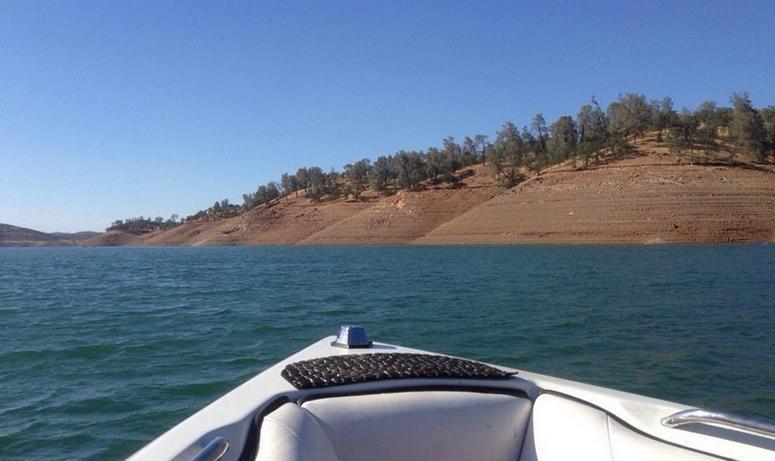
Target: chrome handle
697,416
213,451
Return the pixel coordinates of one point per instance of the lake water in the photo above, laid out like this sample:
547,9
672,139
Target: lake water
102,349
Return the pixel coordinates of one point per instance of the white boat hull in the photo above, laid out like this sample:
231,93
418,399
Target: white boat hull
565,418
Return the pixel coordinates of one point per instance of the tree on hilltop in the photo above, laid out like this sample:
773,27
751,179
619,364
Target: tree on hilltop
358,176
564,136
303,179
593,130
469,152
768,119
682,133
437,164
453,152
289,184
411,169
747,128
663,116
540,134
629,115
481,144
507,155
708,124
316,179
382,173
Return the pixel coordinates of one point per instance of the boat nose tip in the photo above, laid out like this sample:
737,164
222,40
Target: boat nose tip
352,336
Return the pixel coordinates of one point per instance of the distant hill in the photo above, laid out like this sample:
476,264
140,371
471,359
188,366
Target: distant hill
21,236
646,196
74,235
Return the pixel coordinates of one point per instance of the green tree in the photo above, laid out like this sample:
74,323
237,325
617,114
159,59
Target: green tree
540,133
469,152
663,116
437,164
708,124
480,141
358,176
629,115
332,184
506,156
289,184
303,179
528,140
593,131
453,152
381,173
272,191
682,134
411,169
261,195
768,119
747,127
562,143
317,181
248,201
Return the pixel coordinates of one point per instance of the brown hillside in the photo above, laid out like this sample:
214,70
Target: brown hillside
408,215
113,238
288,221
649,197
21,236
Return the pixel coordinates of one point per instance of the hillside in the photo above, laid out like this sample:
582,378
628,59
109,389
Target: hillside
636,201
407,215
21,236
371,219
286,222
647,196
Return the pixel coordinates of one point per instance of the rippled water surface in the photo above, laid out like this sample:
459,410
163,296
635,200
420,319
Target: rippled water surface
104,348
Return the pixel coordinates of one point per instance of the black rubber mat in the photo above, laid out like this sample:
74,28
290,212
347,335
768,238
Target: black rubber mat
360,368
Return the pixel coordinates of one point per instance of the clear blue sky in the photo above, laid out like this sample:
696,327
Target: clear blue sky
114,109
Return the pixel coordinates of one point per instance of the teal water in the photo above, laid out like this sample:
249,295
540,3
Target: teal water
102,349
